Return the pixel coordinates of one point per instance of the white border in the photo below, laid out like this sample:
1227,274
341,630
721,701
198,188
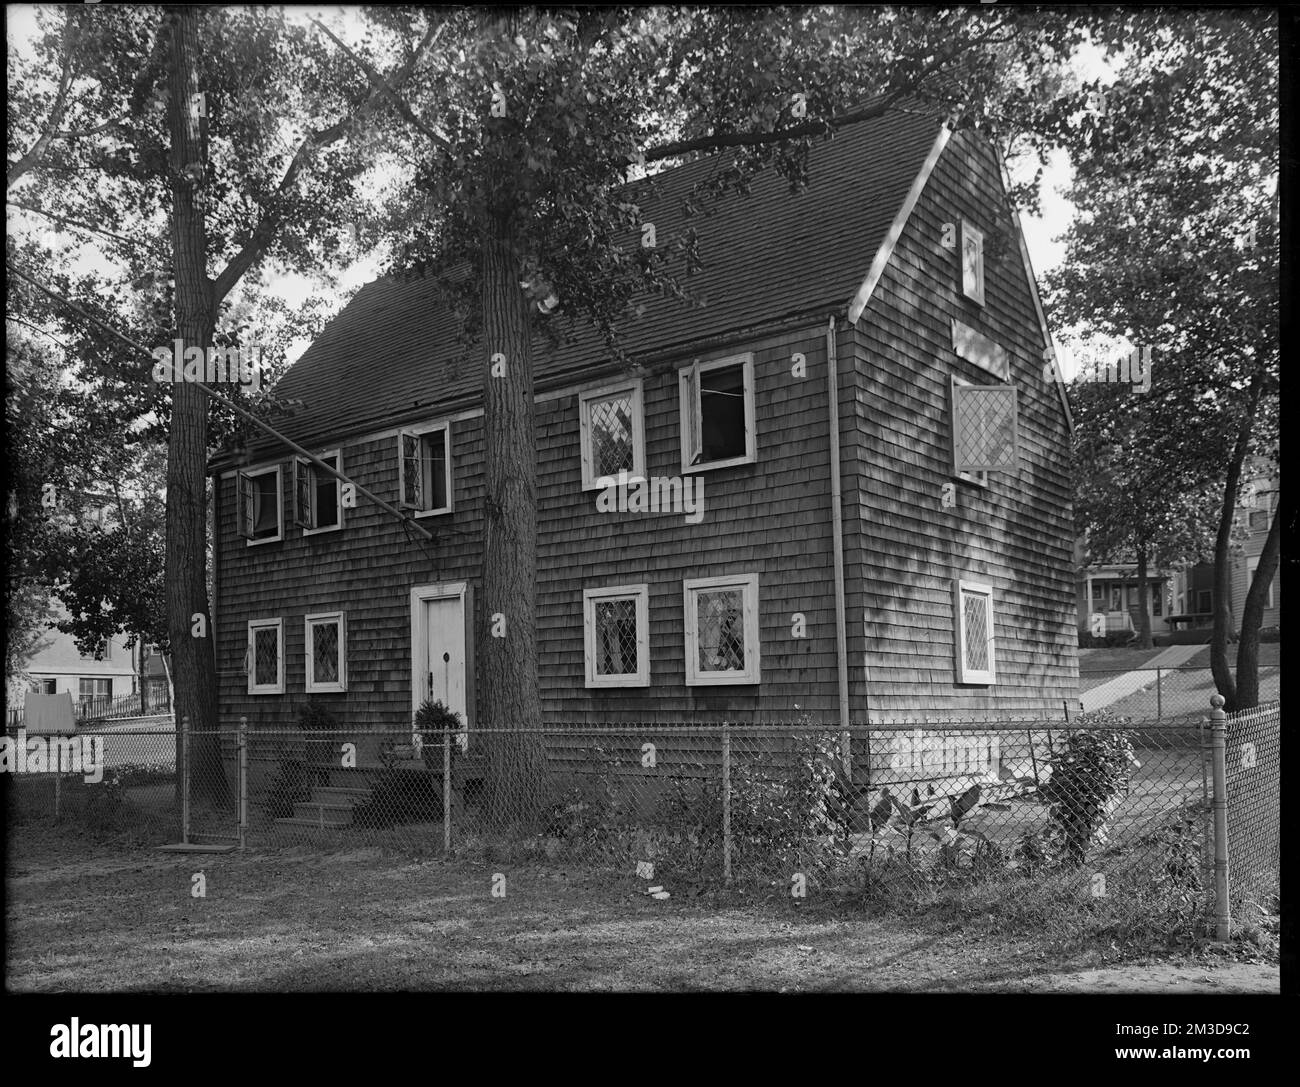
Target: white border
684,391
590,481
988,676
309,647
250,656
641,594
753,670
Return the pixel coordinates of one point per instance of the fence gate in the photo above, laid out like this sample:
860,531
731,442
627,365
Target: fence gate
214,790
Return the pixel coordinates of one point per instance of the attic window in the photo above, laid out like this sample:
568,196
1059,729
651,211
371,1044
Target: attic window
717,413
972,262
317,495
613,433
973,634
985,435
260,519
424,469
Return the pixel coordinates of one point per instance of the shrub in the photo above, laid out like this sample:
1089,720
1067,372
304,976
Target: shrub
432,721
399,796
290,785
1087,776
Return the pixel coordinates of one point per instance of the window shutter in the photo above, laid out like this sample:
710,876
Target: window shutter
694,431
409,480
245,506
985,436
304,494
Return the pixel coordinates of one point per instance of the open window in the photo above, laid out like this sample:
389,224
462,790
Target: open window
613,434
722,630
973,634
326,652
424,469
261,517
985,432
616,624
972,262
264,657
717,413
317,495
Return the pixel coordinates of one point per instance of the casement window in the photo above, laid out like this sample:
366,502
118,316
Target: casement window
972,262
261,518
424,469
985,432
326,652
47,686
722,630
88,689
1252,564
317,495
973,633
616,622
264,657
717,413
612,434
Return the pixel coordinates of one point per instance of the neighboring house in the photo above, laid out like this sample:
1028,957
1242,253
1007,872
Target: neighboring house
107,672
1111,589
1193,588
898,278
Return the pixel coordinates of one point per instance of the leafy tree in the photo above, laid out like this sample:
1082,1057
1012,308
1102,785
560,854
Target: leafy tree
176,161
1176,246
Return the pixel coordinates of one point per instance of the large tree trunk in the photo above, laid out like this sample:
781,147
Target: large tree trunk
1252,617
1223,679
185,577
1144,602
508,692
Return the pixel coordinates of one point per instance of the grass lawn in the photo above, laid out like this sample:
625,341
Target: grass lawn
296,921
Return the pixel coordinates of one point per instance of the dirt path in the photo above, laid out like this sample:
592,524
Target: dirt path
1158,978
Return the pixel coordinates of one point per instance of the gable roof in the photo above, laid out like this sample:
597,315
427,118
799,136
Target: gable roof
391,355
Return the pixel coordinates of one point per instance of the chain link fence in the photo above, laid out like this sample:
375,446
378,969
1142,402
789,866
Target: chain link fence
1097,812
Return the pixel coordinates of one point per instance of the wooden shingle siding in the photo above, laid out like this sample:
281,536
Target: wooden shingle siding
771,517
1014,534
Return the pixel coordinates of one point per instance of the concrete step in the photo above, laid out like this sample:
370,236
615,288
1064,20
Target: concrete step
337,815
339,794
295,821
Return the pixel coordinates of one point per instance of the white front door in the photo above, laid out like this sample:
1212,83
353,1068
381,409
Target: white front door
440,647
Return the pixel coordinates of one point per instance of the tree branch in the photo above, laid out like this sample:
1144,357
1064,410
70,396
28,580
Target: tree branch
135,242
37,150
266,227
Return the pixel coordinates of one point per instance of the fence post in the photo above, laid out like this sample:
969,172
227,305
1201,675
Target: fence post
242,788
1207,819
1159,701
446,791
185,778
1219,753
726,803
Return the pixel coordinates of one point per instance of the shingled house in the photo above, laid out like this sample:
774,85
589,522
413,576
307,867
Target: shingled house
885,529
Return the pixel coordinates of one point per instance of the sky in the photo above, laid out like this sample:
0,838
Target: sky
1041,232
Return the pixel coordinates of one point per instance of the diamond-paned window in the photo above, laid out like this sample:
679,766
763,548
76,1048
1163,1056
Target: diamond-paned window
612,434
258,506
722,630
424,470
617,626
973,606
265,659
717,413
325,643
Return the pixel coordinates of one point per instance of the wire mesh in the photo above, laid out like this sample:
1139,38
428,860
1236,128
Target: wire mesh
1253,771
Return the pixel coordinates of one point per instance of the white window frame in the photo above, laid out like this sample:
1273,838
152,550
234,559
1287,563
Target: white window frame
250,656
591,481
253,473
977,479
691,419
961,589
972,237
641,594
311,469
1252,564
752,672
308,624
419,432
